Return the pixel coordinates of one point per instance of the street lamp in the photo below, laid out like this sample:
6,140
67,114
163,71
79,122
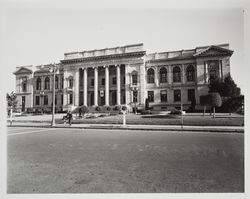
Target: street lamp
53,68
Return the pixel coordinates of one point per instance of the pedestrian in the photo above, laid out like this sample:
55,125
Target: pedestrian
70,117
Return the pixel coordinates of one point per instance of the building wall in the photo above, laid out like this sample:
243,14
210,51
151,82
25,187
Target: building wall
138,64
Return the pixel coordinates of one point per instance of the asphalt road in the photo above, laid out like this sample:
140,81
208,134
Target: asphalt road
106,161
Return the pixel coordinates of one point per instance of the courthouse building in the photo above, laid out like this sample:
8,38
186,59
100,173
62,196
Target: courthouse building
124,75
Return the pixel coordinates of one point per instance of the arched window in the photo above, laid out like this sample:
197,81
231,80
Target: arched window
163,75
190,73
56,83
47,83
151,75
176,74
38,83
213,71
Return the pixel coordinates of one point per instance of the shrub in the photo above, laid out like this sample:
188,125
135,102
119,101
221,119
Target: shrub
38,111
83,110
117,108
145,112
108,108
47,110
232,104
30,110
98,108
124,108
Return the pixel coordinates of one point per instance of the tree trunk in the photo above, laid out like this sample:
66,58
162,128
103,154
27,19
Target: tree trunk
214,112
204,111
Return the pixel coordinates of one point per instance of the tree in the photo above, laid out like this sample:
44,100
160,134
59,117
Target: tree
233,104
11,100
214,100
228,91
226,88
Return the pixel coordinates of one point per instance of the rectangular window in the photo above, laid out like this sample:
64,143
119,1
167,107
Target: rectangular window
70,98
191,95
164,97
92,82
37,100
62,82
70,83
103,81
114,80
150,96
46,100
177,95
134,79
61,99
135,96
55,99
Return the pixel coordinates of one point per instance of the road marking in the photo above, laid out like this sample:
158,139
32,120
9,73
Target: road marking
18,128
28,132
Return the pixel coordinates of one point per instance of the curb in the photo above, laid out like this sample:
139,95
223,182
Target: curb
133,128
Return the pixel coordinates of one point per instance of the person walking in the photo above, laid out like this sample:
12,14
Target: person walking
70,116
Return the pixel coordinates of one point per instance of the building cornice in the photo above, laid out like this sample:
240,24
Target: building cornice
104,57
170,59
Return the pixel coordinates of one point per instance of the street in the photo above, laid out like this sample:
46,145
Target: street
45,160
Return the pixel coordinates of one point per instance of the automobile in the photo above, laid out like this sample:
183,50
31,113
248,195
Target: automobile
177,112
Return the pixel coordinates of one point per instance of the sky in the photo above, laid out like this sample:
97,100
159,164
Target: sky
40,32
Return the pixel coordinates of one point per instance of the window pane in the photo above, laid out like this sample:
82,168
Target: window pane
191,94
114,80
164,96
177,95
46,100
151,96
134,79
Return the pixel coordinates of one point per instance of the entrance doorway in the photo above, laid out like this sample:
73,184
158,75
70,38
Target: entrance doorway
23,103
114,98
92,99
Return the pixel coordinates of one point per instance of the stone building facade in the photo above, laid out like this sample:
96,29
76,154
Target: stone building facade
124,75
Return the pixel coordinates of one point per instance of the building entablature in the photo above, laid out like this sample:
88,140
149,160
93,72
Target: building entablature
104,58
134,48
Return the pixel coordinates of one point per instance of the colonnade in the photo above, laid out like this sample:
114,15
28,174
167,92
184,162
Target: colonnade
85,85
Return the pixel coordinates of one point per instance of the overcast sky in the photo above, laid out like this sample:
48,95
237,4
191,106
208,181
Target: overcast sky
40,32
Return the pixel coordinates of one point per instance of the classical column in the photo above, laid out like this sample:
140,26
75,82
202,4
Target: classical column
85,91
206,71
128,82
96,87
220,70
106,85
157,81
65,94
118,83
183,74
76,88
169,74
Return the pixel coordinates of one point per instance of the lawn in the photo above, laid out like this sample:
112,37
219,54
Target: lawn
189,119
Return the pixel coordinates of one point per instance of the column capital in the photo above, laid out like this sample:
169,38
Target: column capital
105,66
95,67
117,65
84,68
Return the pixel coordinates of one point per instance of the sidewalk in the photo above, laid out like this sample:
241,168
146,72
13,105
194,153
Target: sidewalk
46,124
